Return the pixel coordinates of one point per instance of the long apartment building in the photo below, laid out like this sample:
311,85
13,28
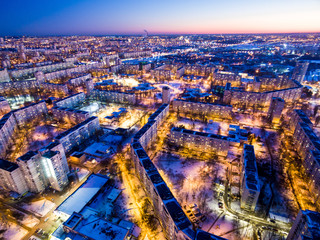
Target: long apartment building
8,127
297,116
200,141
307,144
199,70
250,188
210,110
55,88
78,80
113,96
24,86
46,68
148,132
71,101
10,122
173,219
69,114
31,112
167,72
240,97
78,134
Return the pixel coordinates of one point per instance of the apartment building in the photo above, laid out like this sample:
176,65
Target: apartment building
306,226
11,177
69,114
32,171
209,110
275,110
299,72
4,106
8,126
113,96
148,132
297,116
30,112
200,141
237,96
250,188
55,88
78,134
71,101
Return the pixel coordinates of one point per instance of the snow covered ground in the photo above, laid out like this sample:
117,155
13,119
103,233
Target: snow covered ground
41,207
192,182
30,221
12,231
82,173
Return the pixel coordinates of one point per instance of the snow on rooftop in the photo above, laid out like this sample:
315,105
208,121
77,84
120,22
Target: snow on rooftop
80,198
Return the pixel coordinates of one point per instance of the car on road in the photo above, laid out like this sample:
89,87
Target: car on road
220,204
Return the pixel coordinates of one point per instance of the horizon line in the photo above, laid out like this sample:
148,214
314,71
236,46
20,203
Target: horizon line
152,34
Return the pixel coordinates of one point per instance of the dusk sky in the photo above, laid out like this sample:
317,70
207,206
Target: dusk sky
35,17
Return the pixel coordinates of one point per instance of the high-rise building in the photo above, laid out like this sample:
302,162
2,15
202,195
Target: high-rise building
45,168
306,226
11,177
165,95
53,169
4,76
32,170
275,110
300,71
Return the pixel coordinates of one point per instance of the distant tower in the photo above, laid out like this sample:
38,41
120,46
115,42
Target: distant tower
146,33
300,71
166,95
21,51
275,110
89,86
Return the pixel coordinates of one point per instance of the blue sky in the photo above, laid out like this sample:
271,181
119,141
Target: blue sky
60,17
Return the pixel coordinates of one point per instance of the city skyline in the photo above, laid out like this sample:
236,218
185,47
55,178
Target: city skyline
168,17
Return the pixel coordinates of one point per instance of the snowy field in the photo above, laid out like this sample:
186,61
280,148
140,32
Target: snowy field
12,231
192,182
41,207
82,173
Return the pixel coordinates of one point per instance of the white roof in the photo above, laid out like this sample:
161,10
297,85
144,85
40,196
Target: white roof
79,199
